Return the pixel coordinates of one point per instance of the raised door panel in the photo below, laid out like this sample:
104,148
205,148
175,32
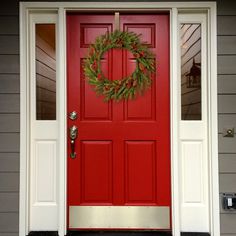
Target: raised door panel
140,172
144,106
97,172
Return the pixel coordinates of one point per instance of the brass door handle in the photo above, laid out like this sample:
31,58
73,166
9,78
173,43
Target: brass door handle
73,136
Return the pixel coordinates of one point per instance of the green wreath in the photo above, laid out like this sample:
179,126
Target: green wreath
129,86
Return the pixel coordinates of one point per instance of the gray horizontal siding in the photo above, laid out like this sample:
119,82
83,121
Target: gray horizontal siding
226,7
9,25
226,84
9,202
221,234
10,83
9,234
227,163
9,64
9,103
9,162
9,222
226,121
228,225
9,182
227,182
226,25
9,7
226,64
10,142
13,44
9,118
227,103
226,144
226,45
9,123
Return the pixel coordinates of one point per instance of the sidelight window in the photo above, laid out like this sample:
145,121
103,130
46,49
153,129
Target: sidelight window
45,66
191,73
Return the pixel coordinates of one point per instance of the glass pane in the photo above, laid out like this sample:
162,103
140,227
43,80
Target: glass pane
190,39
45,55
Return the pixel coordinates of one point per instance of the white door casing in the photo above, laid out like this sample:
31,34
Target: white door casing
188,206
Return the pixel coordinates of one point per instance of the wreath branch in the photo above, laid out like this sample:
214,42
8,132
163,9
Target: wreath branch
129,86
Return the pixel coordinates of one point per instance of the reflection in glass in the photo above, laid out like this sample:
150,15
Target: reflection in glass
190,39
45,55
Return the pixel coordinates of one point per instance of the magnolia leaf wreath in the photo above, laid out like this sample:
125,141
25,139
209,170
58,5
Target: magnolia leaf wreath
129,86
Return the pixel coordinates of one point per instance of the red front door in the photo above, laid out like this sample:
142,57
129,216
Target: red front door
120,176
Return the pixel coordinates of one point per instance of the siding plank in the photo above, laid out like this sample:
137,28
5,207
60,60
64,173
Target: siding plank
13,234
226,121
227,84
10,142
9,64
226,144
220,234
9,202
226,25
9,25
10,83
227,183
226,45
10,7
227,163
10,123
226,64
12,43
226,7
9,222
227,223
9,162
226,103
9,182
10,103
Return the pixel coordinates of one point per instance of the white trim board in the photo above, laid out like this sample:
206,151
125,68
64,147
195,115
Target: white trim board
60,8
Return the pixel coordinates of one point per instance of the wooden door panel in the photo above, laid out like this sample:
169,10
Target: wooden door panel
146,31
140,172
93,107
89,32
102,111
96,170
144,106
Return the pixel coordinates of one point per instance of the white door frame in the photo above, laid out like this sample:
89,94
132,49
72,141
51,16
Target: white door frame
175,8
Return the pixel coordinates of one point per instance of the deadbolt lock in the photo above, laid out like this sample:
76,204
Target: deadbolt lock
73,115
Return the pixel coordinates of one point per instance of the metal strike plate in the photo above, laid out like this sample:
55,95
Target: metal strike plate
228,132
73,115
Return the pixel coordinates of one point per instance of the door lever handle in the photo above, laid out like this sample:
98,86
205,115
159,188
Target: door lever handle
73,136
